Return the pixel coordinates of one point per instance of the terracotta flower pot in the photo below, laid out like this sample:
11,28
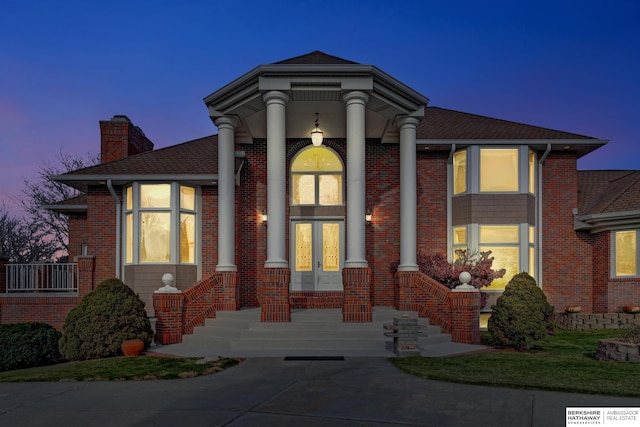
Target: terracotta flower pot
572,309
631,309
132,347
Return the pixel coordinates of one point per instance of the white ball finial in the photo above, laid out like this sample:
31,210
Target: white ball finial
167,279
465,278
168,288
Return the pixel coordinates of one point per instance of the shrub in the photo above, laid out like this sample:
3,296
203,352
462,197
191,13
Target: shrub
521,315
105,317
27,345
478,264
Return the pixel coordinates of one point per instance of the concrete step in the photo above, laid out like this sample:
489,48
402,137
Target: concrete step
310,332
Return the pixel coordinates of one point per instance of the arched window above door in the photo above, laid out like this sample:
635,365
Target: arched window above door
316,178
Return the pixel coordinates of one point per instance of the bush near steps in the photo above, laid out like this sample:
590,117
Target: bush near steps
521,315
107,316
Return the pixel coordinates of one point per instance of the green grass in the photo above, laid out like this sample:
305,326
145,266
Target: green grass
120,369
565,362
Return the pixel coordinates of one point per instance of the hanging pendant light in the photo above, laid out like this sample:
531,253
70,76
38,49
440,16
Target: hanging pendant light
316,134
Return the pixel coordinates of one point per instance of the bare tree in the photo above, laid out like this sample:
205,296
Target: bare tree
42,191
21,241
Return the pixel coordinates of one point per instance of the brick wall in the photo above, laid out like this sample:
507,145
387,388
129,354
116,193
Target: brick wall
36,308
623,292
566,255
101,219
600,272
383,234
78,234
432,202
251,240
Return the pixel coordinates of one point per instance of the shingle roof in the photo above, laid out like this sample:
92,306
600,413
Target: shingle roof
197,157
608,191
72,204
442,124
315,57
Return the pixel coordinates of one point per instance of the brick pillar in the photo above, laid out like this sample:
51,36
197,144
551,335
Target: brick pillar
3,274
357,295
168,308
406,298
86,278
274,295
227,291
465,316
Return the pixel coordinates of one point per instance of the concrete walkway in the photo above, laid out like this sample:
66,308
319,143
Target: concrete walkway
274,392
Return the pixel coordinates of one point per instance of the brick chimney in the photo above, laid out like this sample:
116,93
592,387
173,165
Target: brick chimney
119,138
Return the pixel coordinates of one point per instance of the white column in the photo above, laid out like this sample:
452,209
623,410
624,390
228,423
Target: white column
276,179
408,194
356,210
226,194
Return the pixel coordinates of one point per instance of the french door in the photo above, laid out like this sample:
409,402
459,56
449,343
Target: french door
317,255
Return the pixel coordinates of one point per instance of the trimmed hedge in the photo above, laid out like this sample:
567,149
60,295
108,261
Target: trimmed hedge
107,316
27,345
521,315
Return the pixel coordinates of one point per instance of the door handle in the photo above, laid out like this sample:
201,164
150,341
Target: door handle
319,264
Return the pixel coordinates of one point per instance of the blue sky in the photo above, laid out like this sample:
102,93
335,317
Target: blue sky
566,65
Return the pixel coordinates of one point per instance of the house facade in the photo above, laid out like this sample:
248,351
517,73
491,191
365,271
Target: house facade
285,222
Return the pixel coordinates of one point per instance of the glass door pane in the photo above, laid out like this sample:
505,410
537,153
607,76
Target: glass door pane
331,246
304,248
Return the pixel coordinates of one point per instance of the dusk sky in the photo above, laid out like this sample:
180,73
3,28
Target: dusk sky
65,65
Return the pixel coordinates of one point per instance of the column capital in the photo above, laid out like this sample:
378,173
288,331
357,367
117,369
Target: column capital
228,122
275,96
355,96
407,121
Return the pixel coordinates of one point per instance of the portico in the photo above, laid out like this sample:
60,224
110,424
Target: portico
327,238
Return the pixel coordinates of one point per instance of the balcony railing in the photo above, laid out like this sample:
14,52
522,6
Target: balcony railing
43,277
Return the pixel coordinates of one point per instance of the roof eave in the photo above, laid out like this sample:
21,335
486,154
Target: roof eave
66,209
595,223
82,182
581,146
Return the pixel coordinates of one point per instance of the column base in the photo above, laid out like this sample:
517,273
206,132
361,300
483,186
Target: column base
356,307
465,317
274,295
227,291
168,309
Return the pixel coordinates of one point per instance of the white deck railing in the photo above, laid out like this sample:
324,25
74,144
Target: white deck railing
42,277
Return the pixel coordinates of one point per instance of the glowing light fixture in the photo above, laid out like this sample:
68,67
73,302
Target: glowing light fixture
316,134
367,216
264,217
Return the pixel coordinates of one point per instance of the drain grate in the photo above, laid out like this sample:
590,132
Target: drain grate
314,358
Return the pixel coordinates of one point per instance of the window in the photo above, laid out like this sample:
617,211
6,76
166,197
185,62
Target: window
459,238
460,172
532,251
532,172
499,169
160,223
504,243
480,169
316,178
625,253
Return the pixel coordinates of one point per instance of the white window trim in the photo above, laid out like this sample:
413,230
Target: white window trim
612,255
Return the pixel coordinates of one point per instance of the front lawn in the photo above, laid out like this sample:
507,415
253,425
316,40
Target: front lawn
565,362
119,369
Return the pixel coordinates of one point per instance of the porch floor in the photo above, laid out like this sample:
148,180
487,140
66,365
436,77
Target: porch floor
311,333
